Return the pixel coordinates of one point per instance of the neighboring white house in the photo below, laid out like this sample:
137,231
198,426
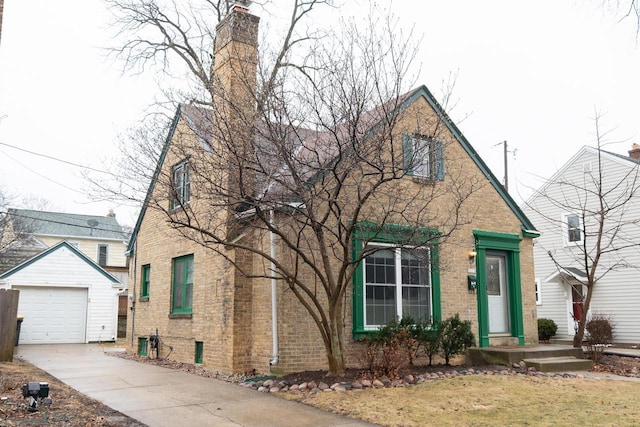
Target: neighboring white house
100,238
65,297
557,211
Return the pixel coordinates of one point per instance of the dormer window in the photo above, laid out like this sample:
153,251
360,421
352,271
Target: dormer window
181,185
423,157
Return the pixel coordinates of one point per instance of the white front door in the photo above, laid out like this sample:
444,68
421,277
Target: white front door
497,293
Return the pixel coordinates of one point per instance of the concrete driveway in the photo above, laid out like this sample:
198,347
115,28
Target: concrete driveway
160,396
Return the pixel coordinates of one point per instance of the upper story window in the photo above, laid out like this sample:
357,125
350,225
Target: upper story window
423,157
573,228
103,253
181,185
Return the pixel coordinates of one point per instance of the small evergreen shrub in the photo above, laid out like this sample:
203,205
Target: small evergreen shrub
455,337
429,339
546,329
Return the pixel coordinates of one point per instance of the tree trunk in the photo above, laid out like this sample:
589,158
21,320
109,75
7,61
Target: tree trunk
335,350
579,336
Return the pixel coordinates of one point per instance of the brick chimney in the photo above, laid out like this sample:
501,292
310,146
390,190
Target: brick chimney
236,60
235,68
634,153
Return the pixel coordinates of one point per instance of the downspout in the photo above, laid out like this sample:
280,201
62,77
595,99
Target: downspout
133,300
274,297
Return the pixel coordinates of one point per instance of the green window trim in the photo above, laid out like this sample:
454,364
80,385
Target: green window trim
182,285
368,232
199,351
145,281
510,244
143,345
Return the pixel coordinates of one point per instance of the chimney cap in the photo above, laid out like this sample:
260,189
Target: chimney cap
241,5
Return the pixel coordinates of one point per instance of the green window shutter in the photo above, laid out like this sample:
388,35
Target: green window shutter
439,161
407,153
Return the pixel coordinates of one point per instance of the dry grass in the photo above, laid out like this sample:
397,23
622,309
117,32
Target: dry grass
490,400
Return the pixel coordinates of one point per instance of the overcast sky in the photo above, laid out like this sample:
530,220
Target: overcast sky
530,73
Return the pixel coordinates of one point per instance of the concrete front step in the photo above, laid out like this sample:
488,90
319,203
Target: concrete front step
559,364
510,355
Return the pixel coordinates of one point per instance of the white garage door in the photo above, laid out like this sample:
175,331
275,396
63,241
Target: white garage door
52,315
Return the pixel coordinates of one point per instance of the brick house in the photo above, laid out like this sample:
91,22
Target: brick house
214,300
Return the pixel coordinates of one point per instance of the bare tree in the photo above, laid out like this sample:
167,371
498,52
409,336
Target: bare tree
603,228
311,159
15,231
625,9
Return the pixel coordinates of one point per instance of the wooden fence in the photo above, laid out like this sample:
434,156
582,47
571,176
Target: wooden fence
8,323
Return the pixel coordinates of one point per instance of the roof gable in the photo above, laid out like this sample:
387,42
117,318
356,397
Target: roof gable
585,150
68,225
527,226
407,100
45,253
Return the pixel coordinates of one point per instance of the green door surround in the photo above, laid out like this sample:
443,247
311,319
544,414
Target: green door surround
510,245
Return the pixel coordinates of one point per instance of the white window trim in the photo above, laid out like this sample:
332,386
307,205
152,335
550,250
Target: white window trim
179,198
423,156
106,258
398,283
565,229
538,289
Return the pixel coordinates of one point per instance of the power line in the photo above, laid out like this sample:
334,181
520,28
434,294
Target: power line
41,175
46,156
13,213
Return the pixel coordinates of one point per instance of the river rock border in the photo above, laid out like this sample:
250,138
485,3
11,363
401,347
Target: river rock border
273,385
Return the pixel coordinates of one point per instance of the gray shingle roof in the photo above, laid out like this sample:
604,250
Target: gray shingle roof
66,224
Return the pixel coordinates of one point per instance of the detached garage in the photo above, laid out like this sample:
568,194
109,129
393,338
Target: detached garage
64,297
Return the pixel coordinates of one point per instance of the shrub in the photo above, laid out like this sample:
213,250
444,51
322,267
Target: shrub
429,339
455,337
390,348
599,335
546,329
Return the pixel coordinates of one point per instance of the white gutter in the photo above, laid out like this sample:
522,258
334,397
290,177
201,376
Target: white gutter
274,297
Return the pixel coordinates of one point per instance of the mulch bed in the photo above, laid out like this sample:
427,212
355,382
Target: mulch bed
68,407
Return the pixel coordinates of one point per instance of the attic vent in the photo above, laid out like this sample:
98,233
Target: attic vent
586,167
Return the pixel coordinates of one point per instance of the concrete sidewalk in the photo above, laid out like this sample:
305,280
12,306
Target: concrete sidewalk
160,396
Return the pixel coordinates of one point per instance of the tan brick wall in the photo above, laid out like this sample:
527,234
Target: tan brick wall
232,313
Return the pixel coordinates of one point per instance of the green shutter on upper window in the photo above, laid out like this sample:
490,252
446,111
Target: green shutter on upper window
407,153
439,152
